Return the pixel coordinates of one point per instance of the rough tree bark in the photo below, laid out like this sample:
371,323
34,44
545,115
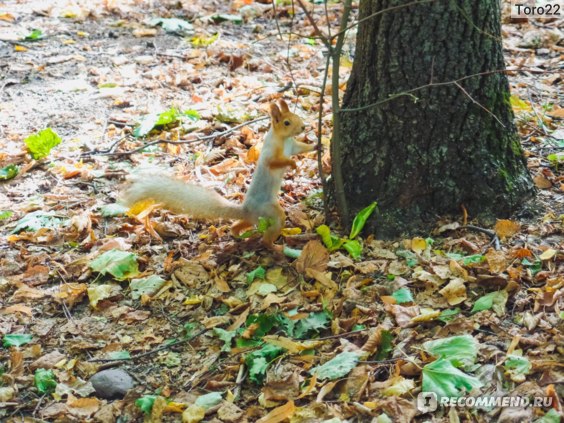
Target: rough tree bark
431,152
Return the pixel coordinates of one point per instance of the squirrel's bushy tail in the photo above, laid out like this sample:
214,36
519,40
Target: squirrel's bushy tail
180,197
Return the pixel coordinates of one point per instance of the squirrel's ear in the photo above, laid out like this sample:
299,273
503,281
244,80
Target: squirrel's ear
275,113
283,106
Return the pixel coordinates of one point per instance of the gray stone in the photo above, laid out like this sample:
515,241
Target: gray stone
111,383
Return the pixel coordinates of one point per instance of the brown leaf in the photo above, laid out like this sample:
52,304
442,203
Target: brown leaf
323,278
279,414
496,261
83,407
542,182
47,361
454,292
314,256
506,228
18,308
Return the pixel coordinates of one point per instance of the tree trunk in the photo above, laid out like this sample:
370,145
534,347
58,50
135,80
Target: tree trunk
434,150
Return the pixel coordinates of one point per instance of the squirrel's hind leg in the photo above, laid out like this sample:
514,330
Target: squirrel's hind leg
239,226
273,232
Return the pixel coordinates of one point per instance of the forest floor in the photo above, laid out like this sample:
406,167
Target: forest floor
211,328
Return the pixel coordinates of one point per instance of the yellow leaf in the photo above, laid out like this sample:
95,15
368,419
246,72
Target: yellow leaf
17,47
519,105
193,414
291,231
82,34
548,254
196,299
69,42
7,17
279,414
506,228
418,245
140,206
427,314
174,407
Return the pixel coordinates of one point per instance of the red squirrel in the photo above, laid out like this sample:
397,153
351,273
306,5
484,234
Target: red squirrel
261,200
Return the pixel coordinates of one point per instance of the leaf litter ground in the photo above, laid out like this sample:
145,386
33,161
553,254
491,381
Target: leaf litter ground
216,329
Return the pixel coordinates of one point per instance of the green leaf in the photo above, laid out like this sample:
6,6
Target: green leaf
226,336
517,366
448,315
445,380
258,361
44,381
264,223
332,242
5,214
120,264
224,17
155,120
264,323
409,256
259,273
167,117
360,219
193,115
312,324
285,324
403,295
204,41
173,25
337,367
8,172
148,286
34,35
467,260
16,339
534,267
353,247
556,158
292,252
108,85
41,143
385,347
494,300
119,355
32,222
111,210
210,400
473,259
189,329
461,350
145,403
552,416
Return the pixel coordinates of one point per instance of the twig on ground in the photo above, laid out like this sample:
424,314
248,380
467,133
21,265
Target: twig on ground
197,139
493,236
239,381
340,335
147,353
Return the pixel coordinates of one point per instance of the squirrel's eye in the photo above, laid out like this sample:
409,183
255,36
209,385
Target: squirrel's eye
287,122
